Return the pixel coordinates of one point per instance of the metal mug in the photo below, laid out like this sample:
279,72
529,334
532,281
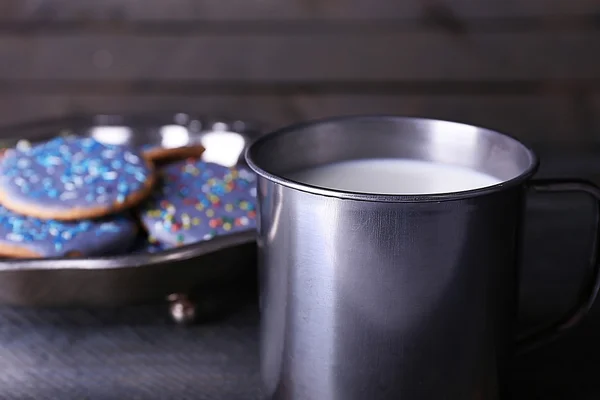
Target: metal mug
372,296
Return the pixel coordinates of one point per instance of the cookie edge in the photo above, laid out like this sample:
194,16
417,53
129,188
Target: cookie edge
79,213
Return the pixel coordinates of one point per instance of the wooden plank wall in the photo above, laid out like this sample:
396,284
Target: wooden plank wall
527,67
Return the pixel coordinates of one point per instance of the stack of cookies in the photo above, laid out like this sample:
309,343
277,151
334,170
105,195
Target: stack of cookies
78,197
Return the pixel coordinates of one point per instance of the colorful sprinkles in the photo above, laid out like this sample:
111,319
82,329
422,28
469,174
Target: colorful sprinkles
71,172
49,238
194,200
198,201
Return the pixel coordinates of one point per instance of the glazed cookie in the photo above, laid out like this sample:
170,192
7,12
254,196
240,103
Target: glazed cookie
197,201
29,237
159,154
73,178
144,245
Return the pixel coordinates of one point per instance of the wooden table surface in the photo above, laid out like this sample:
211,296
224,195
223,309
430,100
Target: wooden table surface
530,68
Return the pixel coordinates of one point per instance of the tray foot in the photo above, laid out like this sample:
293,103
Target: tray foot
181,308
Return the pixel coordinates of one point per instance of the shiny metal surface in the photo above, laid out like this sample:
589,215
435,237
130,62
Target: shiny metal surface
224,139
341,139
387,296
137,277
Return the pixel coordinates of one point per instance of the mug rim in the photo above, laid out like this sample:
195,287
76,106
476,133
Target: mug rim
384,197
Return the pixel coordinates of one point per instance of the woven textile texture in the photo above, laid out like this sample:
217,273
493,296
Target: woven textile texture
132,353
138,353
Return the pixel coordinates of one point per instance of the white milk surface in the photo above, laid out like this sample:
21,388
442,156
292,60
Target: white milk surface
394,176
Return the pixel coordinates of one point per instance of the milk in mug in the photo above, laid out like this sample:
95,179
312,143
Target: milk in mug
394,176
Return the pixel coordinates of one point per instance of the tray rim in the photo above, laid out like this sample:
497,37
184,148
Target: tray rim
137,260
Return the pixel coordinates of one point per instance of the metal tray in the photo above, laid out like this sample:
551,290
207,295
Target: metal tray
117,280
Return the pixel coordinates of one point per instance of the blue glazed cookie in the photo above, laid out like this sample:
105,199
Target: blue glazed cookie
197,201
73,178
29,237
144,245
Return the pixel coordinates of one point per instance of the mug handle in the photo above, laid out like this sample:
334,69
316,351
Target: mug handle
591,285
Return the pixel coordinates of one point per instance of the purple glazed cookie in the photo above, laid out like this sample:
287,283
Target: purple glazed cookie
144,245
73,178
197,201
29,237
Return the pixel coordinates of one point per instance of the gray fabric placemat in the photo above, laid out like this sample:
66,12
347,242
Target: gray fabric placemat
138,353
131,353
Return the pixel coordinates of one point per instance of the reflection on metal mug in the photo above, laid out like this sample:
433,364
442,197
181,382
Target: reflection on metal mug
405,295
